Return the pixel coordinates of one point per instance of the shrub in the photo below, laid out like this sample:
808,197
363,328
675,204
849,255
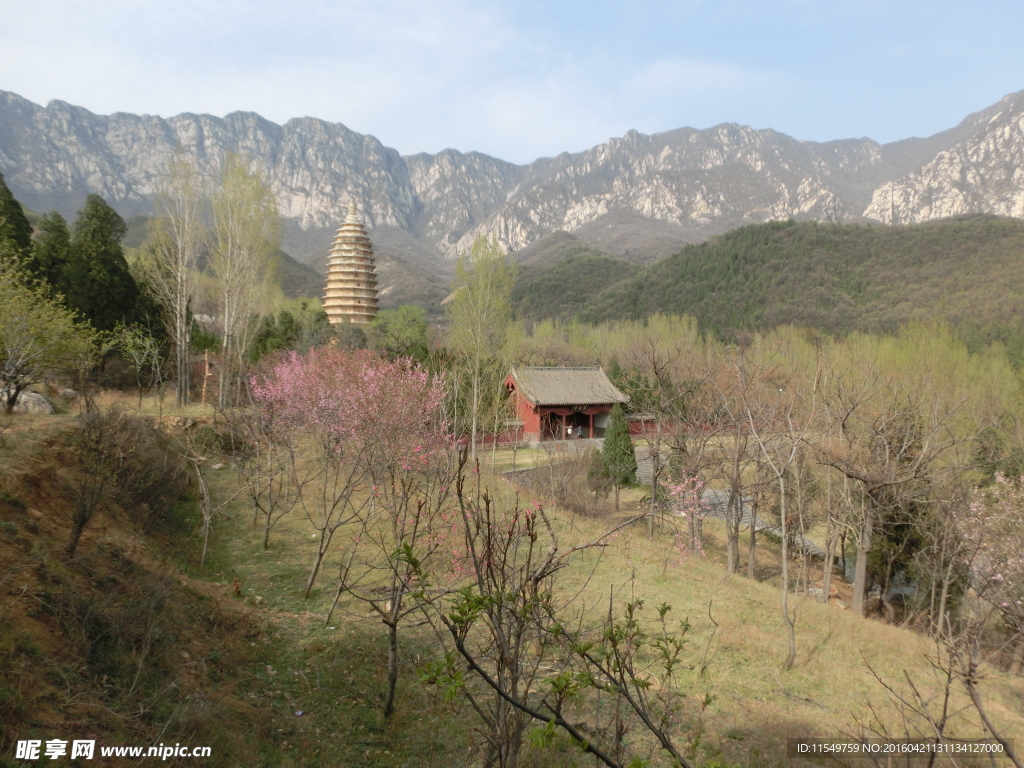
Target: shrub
568,481
126,458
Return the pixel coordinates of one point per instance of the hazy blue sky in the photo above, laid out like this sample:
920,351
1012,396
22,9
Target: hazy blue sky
524,79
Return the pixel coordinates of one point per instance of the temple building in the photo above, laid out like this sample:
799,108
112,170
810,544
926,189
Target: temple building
351,292
554,403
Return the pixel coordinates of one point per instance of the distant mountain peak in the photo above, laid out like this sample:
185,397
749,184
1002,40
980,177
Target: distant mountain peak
645,194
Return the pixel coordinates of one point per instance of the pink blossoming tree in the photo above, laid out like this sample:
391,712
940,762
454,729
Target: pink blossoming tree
991,532
314,400
375,459
409,461
992,528
684,501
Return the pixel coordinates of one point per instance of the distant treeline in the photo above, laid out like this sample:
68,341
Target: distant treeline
836,278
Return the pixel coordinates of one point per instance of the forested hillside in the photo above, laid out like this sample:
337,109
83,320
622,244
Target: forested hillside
567,287
833,277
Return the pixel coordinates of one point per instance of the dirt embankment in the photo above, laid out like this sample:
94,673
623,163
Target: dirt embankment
117,642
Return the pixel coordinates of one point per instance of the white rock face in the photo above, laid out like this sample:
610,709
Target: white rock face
701,181
983,173
692,182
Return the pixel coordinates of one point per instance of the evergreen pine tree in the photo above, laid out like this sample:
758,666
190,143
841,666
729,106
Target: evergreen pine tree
618,461
14,226
52,249
96,281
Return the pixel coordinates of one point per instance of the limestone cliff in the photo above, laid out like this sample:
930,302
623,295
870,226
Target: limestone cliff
638,194
982,173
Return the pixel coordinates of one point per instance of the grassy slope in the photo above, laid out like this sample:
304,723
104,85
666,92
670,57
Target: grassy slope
829,692
334,674
755,705
237,652
835,278
123,644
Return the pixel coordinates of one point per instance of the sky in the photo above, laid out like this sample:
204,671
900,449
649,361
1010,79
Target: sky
521,80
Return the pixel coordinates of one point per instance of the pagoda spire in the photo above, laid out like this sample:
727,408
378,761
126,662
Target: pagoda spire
351,292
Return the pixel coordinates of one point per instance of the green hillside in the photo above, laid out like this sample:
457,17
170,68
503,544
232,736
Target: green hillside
834,277
568,286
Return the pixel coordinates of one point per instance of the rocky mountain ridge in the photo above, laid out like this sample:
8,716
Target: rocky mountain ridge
982,173
639,196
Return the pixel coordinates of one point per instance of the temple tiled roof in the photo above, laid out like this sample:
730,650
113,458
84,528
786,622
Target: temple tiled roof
567,386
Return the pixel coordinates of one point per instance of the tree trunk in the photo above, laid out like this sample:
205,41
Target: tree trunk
1017,665
476,408
734,508
507,735
181,351
830,559
790,629
494,437
751,561
842,551
732,546
830,542
620,730
321,550
804,567
184,339
389,699
861,569
887,607
972,689
266,534
947,581
225,361
76,534
455,403
655,453
11,397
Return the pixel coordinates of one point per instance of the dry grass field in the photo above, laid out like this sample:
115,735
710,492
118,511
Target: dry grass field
830,692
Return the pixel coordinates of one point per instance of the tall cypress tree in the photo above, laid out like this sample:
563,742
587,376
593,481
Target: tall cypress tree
14,226
618,460
52,249
96,281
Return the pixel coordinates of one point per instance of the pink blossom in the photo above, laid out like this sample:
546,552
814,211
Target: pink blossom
991,529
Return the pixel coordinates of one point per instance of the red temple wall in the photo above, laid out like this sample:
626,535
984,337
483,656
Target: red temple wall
529,417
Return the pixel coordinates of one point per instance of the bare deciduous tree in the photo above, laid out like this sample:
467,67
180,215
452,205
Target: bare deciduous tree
246,233
481,325
175,240
509,629
780,428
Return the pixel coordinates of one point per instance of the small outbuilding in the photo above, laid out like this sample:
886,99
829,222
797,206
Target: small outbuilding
552,401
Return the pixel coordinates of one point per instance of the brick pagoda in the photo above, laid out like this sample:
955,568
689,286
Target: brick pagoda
351,292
